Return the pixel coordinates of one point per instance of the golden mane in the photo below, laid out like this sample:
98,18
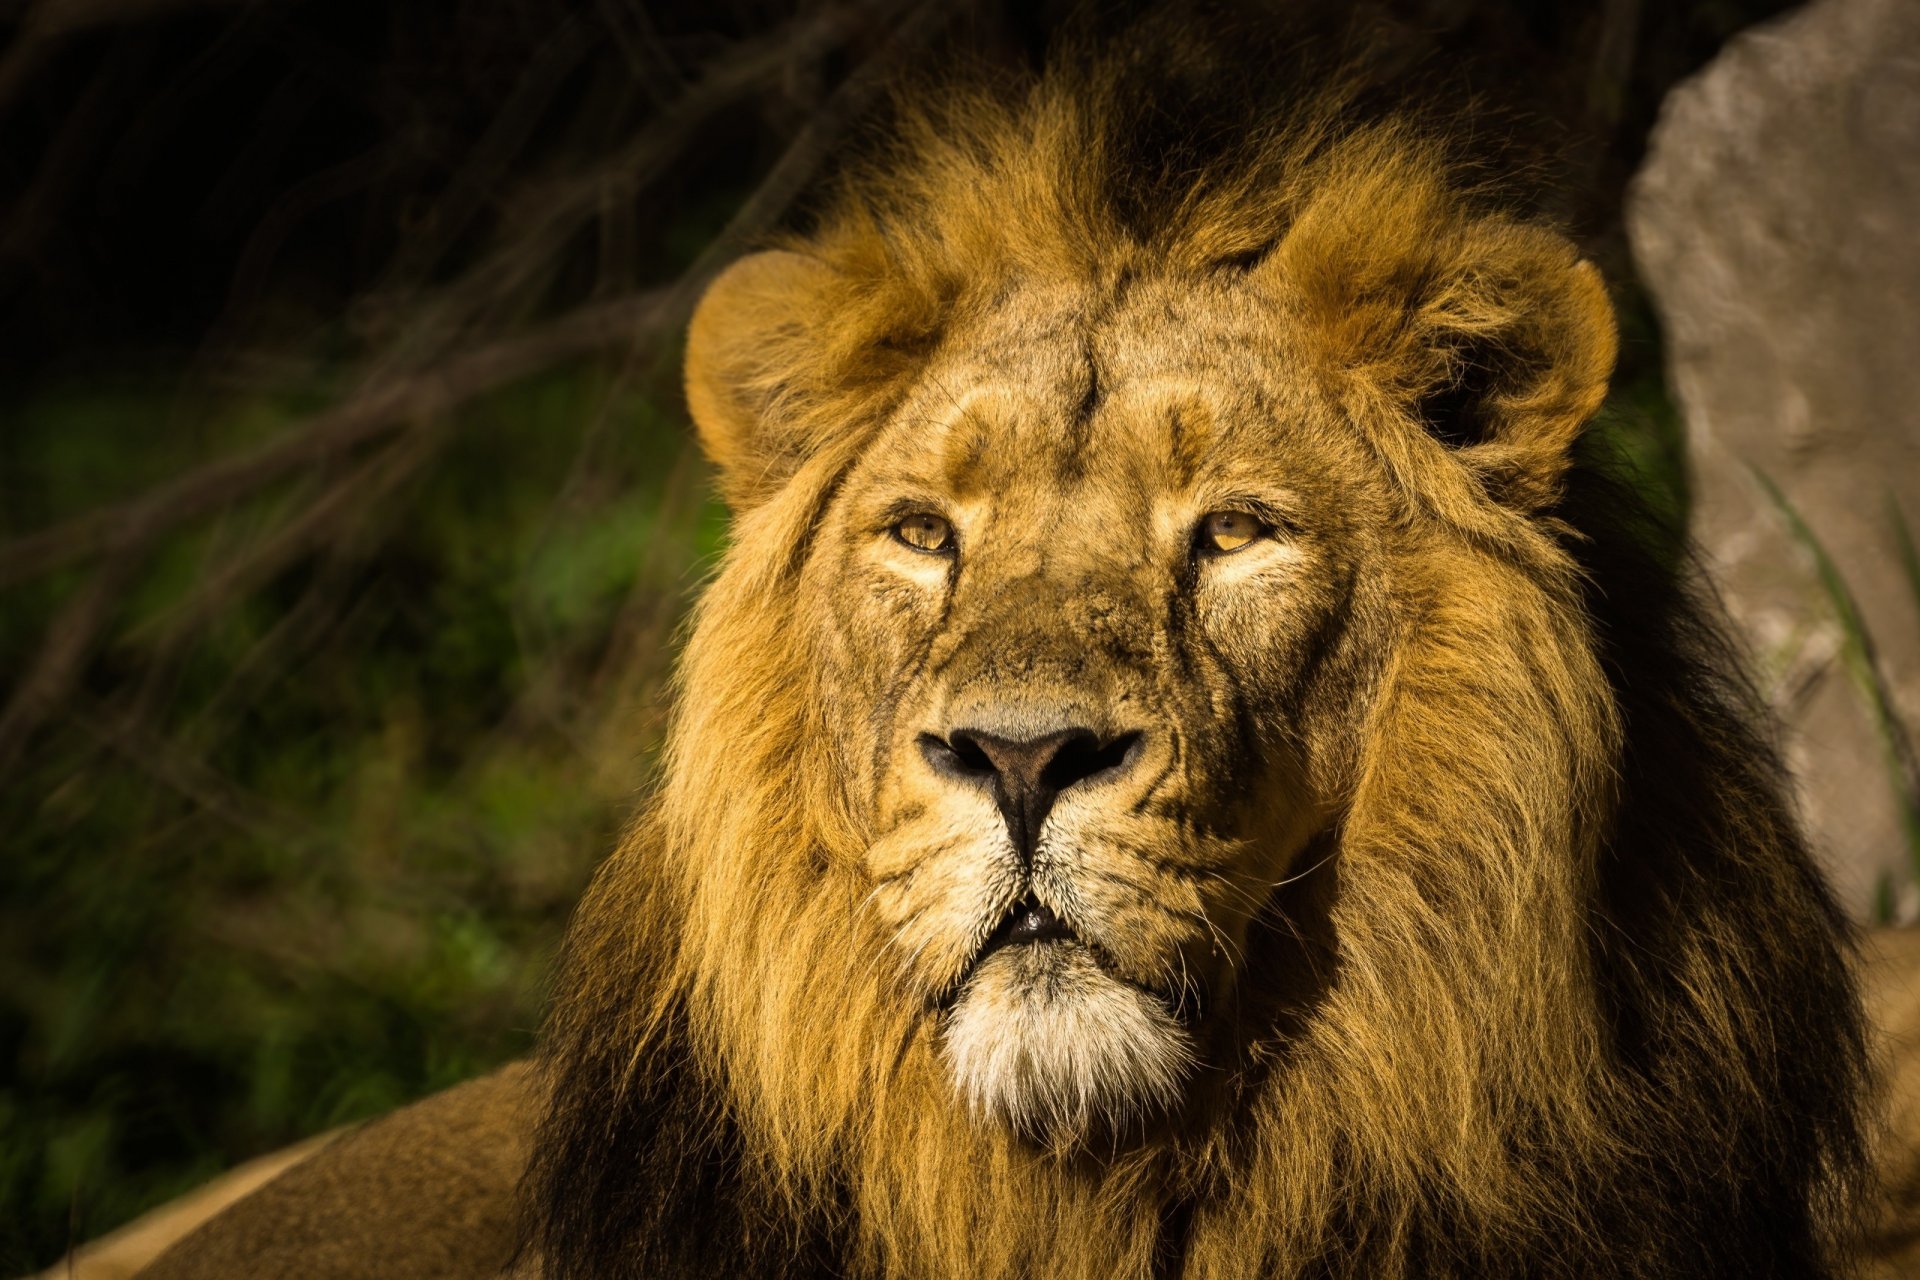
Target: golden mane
1581,1004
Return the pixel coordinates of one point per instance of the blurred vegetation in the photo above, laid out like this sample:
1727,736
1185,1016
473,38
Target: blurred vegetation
299,854
347,512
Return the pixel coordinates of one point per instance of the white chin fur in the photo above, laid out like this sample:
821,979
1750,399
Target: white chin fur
1045,1042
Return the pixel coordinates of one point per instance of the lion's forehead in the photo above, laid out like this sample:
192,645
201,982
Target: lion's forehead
1121,393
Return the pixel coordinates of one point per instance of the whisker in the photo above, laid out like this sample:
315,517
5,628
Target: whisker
1233,953
881,951
1304,874
882,881
1307,949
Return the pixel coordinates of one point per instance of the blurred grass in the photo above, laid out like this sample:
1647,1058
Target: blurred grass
1858,652
1639,431
298,852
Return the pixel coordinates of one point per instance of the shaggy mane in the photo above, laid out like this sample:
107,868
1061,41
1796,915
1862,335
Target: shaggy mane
1582,1003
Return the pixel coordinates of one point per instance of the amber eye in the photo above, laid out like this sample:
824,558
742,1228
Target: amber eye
1224,532
925,532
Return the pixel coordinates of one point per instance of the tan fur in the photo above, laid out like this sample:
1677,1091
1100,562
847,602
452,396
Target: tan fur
1890,984
123,1253
423,1194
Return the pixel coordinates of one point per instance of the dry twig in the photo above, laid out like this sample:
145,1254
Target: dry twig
362,419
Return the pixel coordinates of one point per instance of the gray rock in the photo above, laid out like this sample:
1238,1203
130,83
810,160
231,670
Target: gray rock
1776,223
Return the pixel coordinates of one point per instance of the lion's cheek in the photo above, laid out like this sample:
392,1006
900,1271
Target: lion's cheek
1158,930
939,882
875,646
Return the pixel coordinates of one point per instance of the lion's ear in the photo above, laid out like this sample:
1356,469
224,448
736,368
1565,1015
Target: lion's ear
1491,334
753,335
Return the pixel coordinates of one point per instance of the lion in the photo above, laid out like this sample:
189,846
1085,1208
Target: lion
1187,767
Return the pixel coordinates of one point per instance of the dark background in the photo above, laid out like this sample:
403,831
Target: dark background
348,509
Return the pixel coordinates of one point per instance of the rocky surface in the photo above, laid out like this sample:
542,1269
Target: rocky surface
1776,223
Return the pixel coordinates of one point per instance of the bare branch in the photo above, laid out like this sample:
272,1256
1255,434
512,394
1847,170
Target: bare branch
797,165
50,24
364,418
180,772
326,519
63,655
545,224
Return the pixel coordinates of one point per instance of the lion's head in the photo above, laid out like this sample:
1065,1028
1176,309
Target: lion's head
1161,779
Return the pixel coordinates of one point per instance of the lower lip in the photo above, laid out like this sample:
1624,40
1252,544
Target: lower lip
995,946
1185,1010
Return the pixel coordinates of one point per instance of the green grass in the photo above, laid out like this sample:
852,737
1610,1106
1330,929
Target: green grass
298,854
1857,651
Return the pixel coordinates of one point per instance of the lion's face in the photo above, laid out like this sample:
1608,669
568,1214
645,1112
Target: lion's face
1097,576
1088,597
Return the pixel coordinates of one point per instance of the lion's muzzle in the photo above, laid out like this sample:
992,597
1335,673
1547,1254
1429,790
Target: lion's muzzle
1041,1031
1027,774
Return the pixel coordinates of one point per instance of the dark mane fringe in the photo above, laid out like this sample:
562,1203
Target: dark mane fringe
1183,99
639,1168
1706,884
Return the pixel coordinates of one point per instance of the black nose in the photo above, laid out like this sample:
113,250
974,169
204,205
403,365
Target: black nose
1027,774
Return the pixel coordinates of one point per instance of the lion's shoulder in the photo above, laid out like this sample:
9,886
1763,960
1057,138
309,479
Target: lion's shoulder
427,1191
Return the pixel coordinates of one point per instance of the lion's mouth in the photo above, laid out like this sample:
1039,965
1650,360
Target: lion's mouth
1027,921
1031,923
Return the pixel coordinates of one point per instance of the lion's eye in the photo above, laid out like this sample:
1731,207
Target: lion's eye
1224,532
925,532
